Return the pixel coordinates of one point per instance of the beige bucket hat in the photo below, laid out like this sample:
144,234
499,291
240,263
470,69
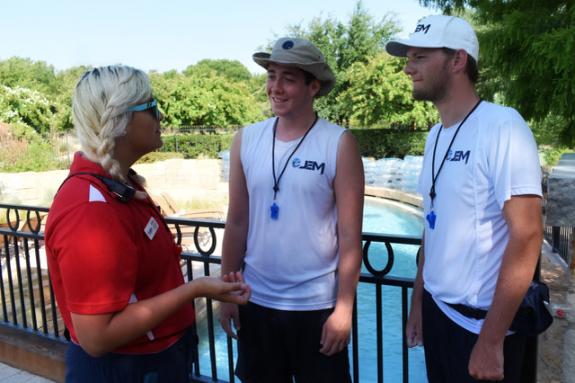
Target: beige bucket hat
302,54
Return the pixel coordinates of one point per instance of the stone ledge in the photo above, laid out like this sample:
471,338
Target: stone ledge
394,194
560,209
32,353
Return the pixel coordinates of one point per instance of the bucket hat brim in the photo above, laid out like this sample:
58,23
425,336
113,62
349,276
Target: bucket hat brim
319,69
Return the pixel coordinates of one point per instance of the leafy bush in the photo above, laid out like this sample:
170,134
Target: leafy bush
159,156
380,143
550,155
376,143
198,145
206,99
22,156
26,106
24,150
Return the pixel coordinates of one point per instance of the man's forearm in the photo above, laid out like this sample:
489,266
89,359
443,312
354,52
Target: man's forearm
233,247
417,294
517,269
348,276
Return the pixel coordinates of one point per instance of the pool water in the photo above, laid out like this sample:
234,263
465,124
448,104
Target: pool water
380,216
386,217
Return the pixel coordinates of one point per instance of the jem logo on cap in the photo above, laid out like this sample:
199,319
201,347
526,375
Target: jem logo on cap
422,27
287,45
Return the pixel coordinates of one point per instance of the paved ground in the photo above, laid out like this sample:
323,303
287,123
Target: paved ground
10,374
551,343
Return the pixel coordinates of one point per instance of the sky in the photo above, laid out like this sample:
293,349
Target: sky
168,34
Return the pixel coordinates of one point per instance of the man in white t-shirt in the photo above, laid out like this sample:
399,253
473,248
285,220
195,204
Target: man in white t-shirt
481,185
294,225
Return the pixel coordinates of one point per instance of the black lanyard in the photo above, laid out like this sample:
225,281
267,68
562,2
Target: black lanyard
432,193
277,180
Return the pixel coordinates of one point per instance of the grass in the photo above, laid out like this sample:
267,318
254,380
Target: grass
212,203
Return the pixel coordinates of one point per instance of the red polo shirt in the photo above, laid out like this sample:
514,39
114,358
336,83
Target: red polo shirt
104,254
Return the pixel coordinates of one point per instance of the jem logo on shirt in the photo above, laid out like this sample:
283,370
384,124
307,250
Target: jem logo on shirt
458,155
308,165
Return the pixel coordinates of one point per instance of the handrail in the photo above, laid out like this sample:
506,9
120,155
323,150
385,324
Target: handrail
28,303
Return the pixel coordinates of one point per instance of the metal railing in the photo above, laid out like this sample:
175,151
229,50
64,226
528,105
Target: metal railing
25,289
560,238
203,247
199,129
28,301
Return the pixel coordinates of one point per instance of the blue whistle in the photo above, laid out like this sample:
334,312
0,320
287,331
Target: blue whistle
274,211
431,217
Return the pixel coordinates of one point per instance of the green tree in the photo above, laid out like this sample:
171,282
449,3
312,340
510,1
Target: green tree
344,44
23,106
380,92
205,100
36,81
528,47
25,73
257,87
234,71
67,80
230,69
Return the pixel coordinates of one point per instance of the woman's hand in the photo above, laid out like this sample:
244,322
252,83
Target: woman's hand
229,288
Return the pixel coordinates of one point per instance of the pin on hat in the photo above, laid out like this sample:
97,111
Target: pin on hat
438,31
302,54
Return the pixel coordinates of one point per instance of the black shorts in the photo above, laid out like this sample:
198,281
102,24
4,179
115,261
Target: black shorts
448,348
276,345
170,365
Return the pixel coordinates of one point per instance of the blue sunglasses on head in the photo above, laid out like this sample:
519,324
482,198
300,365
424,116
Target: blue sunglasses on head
153,105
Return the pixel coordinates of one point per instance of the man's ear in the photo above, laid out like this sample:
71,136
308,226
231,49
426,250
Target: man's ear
314,87
460,60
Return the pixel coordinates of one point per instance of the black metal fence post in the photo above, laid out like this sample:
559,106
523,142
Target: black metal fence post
12,245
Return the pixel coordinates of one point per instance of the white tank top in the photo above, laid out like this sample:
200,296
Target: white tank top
291,261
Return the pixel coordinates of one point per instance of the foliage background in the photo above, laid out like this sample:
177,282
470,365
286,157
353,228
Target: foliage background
526,62
526,56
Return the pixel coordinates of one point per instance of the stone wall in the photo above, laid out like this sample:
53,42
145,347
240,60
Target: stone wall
186,182
561,193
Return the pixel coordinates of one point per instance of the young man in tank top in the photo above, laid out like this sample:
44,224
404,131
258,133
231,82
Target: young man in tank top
294,226
481,186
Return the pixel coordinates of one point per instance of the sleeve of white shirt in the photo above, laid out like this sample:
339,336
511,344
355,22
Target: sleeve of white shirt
513,159
422,172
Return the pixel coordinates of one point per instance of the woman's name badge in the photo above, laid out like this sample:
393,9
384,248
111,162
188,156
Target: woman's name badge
151,228
431,217
274,211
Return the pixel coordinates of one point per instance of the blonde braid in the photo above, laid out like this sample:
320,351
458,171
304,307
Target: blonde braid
100,104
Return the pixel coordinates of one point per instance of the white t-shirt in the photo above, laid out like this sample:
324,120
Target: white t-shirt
291,261
493,157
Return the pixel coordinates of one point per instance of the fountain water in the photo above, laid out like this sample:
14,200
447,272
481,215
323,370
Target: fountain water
395,173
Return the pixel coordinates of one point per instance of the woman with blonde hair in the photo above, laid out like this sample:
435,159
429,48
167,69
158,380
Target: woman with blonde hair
113,262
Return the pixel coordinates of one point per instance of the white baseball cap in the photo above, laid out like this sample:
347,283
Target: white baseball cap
438,31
